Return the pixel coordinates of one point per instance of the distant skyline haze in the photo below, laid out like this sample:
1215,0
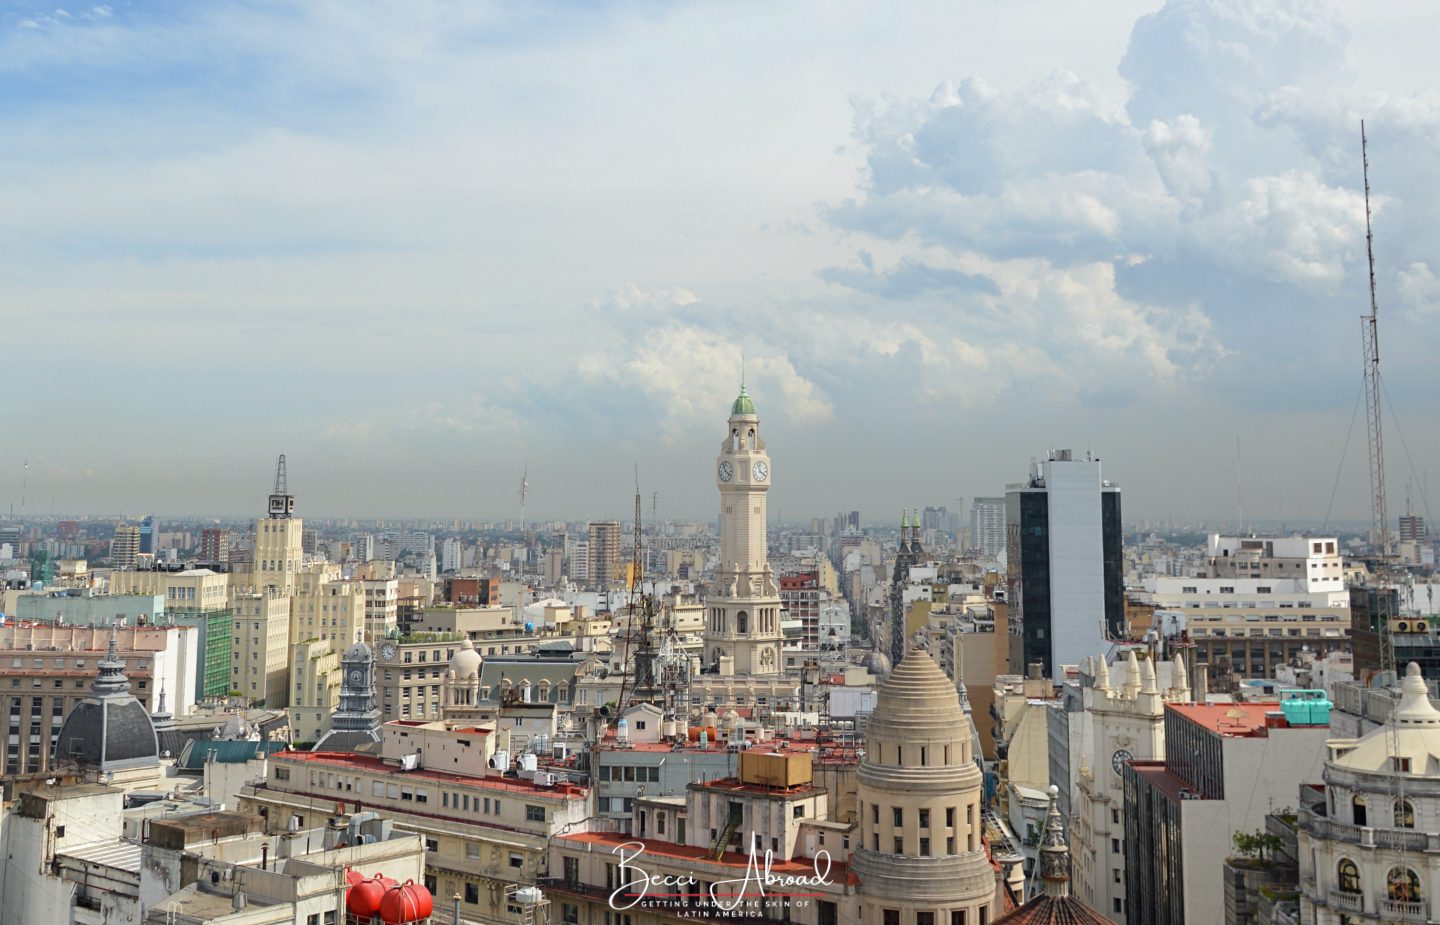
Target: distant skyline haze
420,247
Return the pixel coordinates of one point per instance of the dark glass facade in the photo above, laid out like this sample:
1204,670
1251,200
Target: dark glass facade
1027,555
1027,551
1154,879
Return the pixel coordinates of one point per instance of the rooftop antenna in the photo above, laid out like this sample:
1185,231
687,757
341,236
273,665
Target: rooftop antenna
282,503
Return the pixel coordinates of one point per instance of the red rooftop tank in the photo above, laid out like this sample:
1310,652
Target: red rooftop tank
364,898
408,902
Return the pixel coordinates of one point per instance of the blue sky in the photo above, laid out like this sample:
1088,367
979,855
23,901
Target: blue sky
418,247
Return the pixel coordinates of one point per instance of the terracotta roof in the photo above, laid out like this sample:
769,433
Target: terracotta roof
1051,910
1229,719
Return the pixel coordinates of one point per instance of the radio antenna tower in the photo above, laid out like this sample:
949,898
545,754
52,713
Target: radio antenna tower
1383,586
524,494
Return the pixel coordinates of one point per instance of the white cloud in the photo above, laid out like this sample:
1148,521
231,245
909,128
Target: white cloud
1419,290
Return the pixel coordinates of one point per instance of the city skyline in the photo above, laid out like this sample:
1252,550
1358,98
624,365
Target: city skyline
420,251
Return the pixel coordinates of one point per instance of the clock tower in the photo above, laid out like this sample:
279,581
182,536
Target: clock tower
742,622
357,721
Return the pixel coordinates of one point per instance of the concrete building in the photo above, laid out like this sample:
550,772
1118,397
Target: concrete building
214,546
45,670
482,831
1368,837
260,648
382,609
125,547
1065,565
1226,766
603,553
193,597
1119,718
409,673
987,526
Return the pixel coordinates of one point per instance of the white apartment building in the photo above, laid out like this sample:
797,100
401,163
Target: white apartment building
1261,601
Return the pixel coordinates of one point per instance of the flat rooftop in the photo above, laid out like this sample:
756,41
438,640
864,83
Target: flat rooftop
359,762
1240,720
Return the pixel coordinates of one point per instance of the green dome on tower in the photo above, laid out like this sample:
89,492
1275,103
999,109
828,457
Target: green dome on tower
743,404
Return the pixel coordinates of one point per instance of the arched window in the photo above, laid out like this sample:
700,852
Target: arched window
752,438
1402,885
1347,876
742,622
1357,809
1404,815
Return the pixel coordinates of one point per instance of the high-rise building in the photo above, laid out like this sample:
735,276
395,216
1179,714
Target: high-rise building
604,553
987,526
215,545
742,629
1412,528
1064,562
1227,765
125,547
450,552
147,535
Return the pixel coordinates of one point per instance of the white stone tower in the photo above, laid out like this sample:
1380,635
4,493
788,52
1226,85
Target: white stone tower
918,798
742,624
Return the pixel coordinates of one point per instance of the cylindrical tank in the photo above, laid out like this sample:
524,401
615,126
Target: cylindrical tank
408,902
363,899
528,762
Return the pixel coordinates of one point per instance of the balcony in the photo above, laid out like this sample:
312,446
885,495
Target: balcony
1392,910
1350,902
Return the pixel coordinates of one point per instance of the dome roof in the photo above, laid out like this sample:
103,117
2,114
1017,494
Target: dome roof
917,699
110,729
1415,728
877,663
743,404
359,652
466,661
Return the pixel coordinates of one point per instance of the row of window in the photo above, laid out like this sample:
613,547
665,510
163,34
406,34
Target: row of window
1401,883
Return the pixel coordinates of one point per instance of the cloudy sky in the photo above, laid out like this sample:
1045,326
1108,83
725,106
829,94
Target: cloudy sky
421,246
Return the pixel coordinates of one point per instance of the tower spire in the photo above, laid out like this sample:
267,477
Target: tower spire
1054,853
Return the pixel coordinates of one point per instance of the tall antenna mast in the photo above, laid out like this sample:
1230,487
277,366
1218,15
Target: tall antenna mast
1383,585
524,494
1369,330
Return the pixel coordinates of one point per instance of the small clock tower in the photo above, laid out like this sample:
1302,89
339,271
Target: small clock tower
742,623
357,721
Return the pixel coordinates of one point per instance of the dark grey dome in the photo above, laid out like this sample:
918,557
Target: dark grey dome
109,729
359,652
877,663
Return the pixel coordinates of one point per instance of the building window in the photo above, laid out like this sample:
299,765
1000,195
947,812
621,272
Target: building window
924,918
924,818
897,817
1348,876
957,917
534,813
890,917
924,847
1404,815
570,913
1357,810
1402,885
472,893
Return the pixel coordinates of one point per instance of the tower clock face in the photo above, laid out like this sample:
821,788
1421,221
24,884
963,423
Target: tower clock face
387,651
727,471
355,676
760,472
1117,761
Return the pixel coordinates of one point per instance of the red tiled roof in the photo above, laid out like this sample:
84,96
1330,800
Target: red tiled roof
1050,910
